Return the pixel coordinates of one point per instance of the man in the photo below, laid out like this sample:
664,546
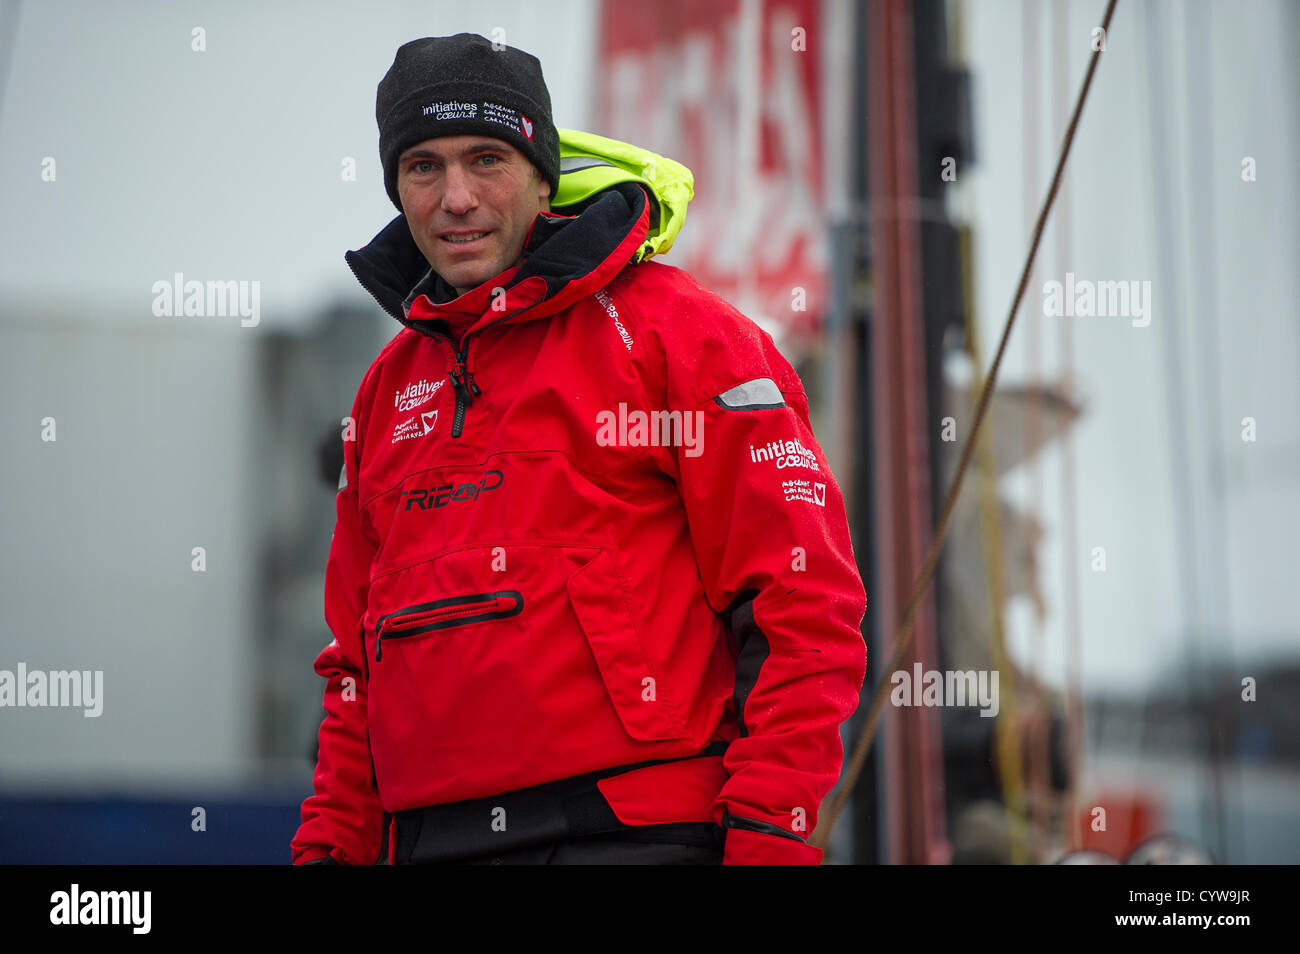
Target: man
591,585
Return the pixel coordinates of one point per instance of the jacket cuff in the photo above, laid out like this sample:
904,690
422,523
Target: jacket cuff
744,847
316,854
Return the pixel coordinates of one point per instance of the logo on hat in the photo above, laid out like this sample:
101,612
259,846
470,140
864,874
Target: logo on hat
528,126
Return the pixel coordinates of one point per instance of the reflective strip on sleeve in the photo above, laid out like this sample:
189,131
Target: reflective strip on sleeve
758,393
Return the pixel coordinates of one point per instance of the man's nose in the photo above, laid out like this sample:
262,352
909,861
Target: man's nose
457,193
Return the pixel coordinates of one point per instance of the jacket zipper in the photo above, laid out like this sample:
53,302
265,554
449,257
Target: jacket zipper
462,380
440,614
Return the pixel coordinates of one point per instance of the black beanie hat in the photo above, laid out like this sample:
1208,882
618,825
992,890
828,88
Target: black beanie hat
457,86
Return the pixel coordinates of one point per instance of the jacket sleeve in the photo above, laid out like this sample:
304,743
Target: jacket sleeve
343,819
768,525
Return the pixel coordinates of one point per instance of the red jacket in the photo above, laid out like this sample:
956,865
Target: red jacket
526,583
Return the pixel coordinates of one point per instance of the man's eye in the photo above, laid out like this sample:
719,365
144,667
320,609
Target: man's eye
494,159
418,166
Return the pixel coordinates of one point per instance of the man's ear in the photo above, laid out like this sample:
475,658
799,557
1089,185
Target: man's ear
543,190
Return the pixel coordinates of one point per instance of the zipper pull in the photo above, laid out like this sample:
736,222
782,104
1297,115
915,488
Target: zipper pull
472,386
458,377
379,644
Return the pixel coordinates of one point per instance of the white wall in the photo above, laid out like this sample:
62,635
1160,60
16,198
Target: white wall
152,457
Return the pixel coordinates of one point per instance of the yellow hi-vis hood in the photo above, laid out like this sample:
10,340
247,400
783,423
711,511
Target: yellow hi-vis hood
590,164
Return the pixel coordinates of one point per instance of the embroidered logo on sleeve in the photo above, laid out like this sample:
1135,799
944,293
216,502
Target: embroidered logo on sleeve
813,492
786,453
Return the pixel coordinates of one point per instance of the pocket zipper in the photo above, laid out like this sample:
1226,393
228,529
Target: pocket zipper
440,614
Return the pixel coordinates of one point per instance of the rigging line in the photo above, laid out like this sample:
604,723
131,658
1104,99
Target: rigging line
822,835
1200,65
1037,757
1006,740
1187,536
1074,720
1007,752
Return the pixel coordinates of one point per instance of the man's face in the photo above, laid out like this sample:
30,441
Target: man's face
454,187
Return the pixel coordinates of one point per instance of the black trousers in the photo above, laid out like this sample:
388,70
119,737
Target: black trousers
678,844
566,821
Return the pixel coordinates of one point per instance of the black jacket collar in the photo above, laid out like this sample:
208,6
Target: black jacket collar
559,249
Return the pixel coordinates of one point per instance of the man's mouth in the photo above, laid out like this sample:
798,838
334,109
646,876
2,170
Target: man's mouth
463,238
